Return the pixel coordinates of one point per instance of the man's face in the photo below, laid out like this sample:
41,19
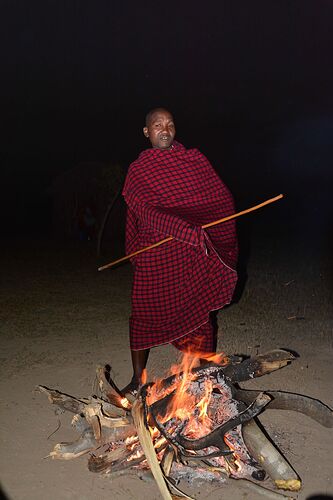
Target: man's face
160,129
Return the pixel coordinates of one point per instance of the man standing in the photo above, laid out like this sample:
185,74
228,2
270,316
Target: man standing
172,191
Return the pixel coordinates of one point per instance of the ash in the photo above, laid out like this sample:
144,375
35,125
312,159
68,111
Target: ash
198,475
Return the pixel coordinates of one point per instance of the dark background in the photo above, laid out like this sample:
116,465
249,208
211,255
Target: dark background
249,83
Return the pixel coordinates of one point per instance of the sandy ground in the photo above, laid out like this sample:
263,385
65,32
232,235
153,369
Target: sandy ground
60,318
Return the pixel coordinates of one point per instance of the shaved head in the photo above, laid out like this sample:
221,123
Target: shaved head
150,114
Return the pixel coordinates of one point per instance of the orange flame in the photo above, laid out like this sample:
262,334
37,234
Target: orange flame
144,377
204,402
218,359
186,405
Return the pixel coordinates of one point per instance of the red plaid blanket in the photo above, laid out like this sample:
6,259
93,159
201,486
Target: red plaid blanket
173,193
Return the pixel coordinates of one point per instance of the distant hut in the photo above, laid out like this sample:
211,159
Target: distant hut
87,203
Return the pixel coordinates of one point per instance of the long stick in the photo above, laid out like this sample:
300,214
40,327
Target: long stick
158,243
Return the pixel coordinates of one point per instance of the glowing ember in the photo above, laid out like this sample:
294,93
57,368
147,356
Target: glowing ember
125,403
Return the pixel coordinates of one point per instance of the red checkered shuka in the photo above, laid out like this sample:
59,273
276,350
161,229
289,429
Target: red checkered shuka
175,286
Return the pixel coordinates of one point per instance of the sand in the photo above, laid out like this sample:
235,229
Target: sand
60,318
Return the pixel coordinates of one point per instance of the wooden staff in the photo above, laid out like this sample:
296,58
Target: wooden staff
210,224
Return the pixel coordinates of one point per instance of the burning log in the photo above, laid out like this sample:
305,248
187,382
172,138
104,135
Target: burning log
237,370
198,417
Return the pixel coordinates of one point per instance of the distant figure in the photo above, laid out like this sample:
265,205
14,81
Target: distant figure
170,190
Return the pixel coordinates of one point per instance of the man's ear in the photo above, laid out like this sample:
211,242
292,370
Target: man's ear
145,131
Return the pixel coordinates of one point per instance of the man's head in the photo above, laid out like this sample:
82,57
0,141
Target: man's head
160,128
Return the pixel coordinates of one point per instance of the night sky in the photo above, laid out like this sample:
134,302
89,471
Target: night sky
249,82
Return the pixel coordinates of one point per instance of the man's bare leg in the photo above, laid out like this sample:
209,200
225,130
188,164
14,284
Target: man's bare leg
139,362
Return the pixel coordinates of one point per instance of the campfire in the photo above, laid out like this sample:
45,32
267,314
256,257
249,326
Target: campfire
197,419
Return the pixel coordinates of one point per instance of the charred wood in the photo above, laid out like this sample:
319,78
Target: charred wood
282,400
258,365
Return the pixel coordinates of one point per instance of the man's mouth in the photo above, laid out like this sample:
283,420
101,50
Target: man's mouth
165,137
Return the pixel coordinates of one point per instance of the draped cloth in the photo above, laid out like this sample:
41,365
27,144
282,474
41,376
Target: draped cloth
175,286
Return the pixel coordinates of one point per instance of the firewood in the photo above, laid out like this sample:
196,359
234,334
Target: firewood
107,386
79,405
68,451
112,461
88,442
167,460
106,420
68,403
258,365
79,423
270,458
100,409
261,491
94,419
234,372
148,448
282,400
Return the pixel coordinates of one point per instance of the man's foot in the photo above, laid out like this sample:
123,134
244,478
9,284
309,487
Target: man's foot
131,388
